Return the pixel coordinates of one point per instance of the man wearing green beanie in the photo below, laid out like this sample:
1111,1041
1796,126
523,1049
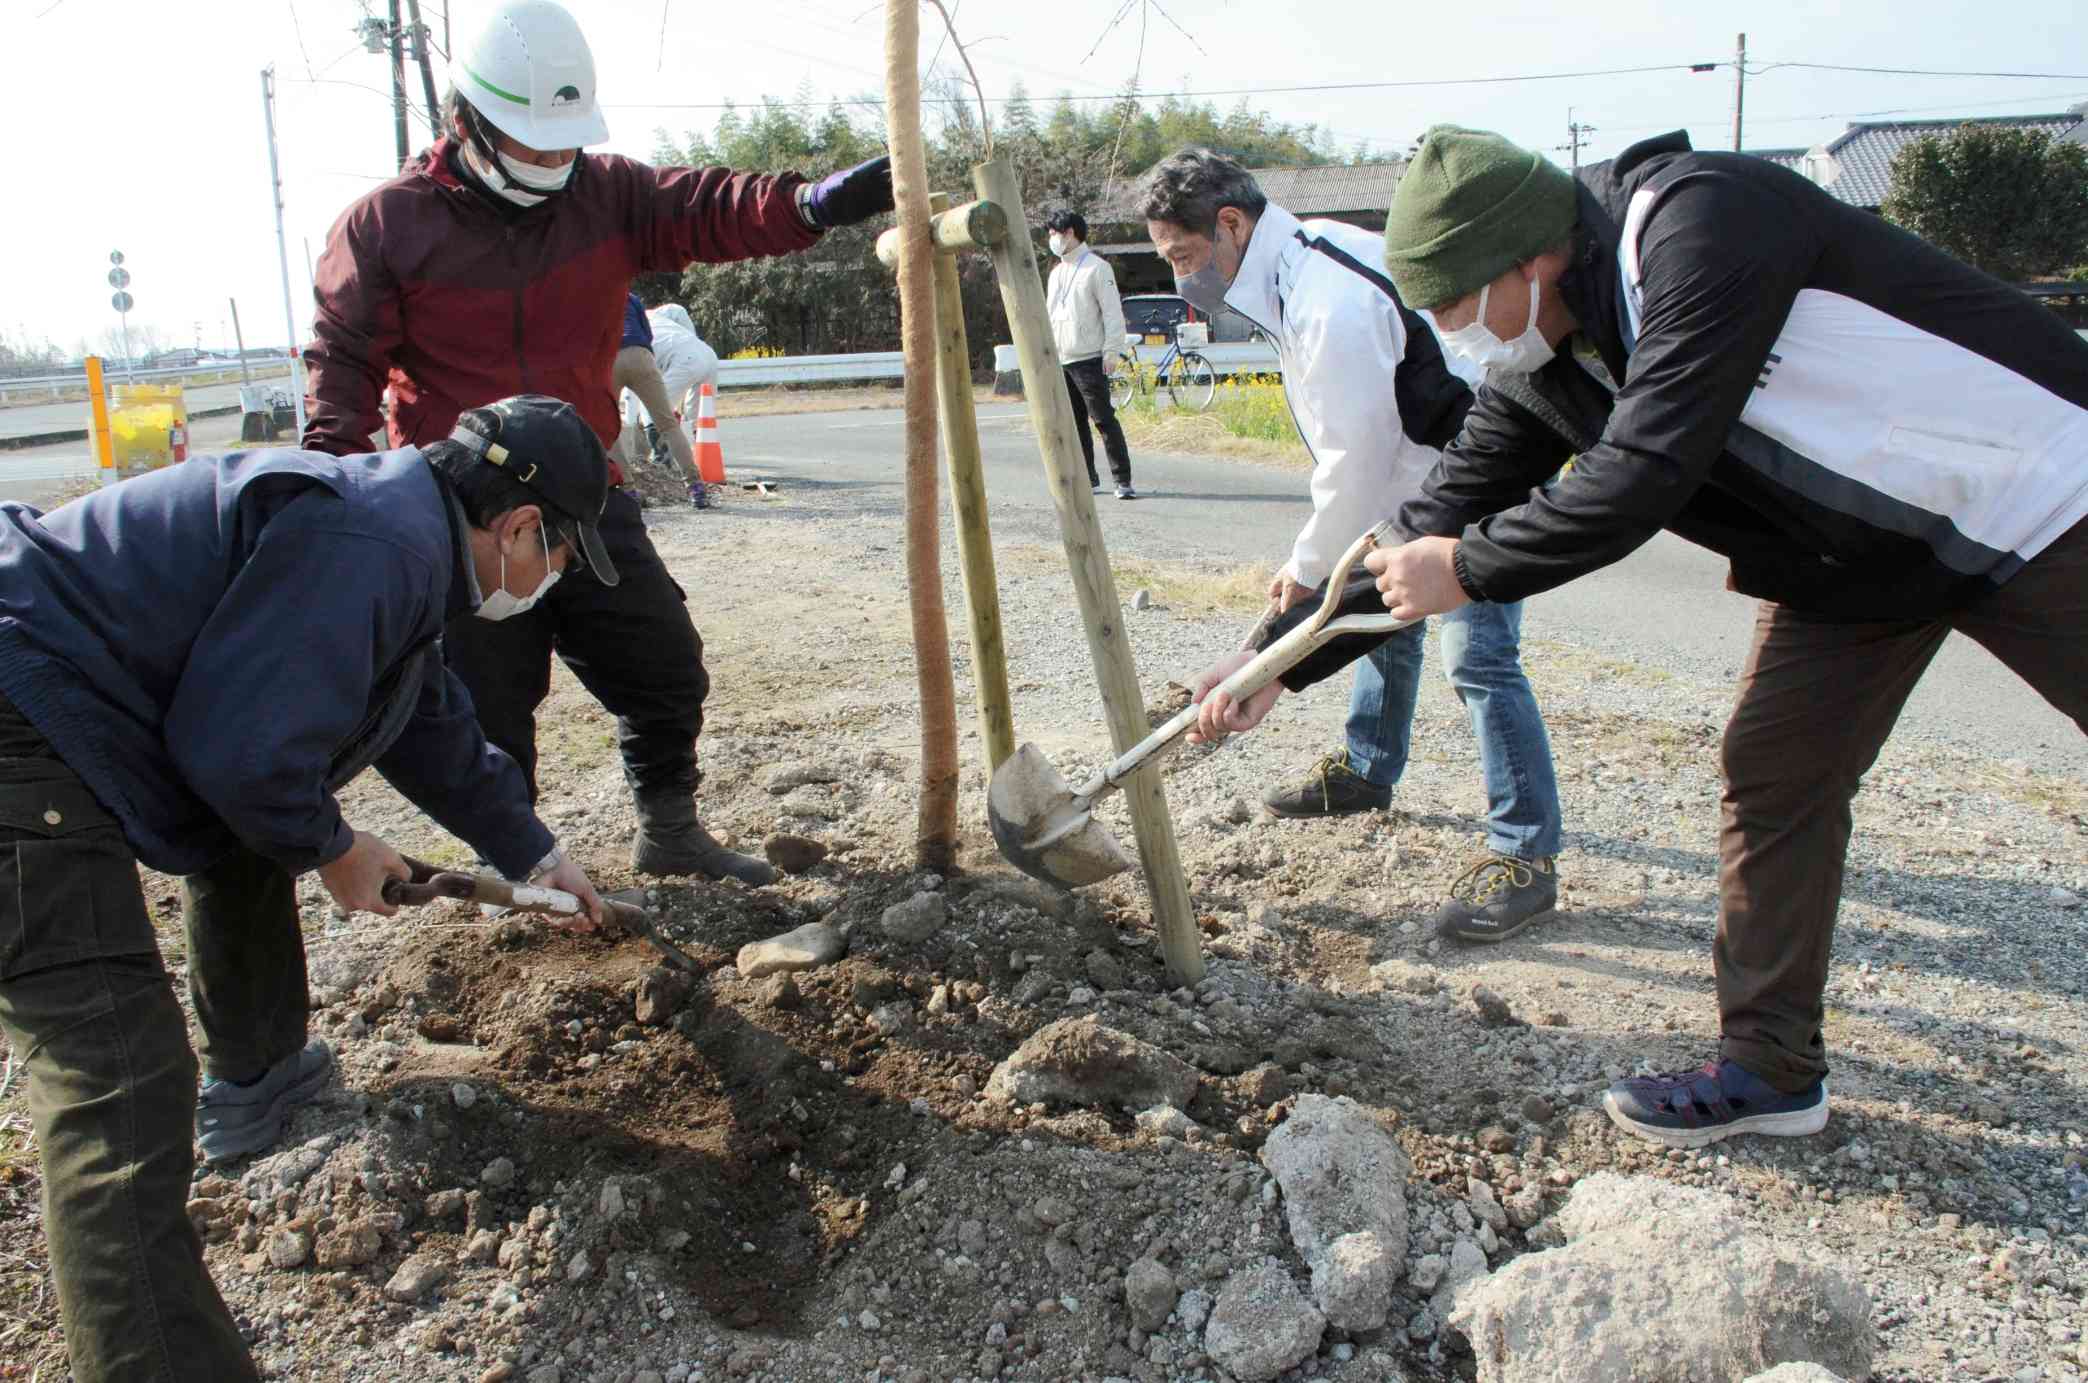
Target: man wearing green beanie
1887,444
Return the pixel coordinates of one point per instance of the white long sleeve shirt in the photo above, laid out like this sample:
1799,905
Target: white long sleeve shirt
1087,314
1354,360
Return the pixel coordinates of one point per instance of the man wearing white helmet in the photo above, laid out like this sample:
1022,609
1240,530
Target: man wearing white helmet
497,263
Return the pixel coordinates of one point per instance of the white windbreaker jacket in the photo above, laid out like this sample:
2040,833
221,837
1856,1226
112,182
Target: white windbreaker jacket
1367,381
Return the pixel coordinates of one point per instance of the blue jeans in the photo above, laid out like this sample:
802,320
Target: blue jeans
1483,660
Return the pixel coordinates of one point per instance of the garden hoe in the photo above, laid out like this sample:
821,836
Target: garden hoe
429,884
1048,830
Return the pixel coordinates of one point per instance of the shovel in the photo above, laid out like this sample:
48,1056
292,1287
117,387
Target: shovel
429,884
1048,830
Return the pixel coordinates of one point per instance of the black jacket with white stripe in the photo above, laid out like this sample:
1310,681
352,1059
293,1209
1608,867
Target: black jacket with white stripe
1866,427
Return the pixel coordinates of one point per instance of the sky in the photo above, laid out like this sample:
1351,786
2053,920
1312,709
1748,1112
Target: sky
156,143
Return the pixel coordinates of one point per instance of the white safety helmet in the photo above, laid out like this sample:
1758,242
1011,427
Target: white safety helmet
530,73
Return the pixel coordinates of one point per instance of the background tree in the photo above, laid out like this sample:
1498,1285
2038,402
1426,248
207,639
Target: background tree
836,298
2010,201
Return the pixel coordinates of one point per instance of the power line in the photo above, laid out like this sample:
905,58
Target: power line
1225,91
1920,71
298,25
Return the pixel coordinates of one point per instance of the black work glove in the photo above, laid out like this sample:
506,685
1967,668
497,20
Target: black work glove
851,195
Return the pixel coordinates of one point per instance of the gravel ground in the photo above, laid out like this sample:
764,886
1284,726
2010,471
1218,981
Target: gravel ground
521,1177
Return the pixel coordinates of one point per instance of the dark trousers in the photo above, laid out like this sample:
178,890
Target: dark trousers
111,1083
1089,388
1817,700
632,646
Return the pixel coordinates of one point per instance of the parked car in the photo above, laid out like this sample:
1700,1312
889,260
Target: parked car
1155,316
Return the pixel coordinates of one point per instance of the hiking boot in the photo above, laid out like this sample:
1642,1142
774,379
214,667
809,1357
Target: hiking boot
1329,788
1688,1109
234,1121
1498,897
670,840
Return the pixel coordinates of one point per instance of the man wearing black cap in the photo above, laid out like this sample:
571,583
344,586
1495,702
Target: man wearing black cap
191,664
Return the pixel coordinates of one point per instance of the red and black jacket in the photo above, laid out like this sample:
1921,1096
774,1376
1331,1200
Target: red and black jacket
453,298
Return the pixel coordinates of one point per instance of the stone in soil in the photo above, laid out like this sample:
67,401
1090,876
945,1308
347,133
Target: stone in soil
1150,1294
416,1277
784,777
1605,1305
916,919
288,1248
1493,1009
1797,1373
793,854
806,948
1077,1061
1262,1324
441,1027
661,994
349,1246
1343,1179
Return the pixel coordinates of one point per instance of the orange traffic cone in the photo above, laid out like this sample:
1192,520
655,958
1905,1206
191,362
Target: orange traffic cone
710,454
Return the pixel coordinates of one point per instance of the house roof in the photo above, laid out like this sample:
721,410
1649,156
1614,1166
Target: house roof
1320,191
1792,159
1863,153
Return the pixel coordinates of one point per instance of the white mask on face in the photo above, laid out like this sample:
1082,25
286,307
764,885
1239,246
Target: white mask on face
535,184
501,603
1477,343
1062,245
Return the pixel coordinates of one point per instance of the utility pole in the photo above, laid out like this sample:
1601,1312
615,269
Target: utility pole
239,340
1576,136
1739,86
419,33
398,66
275,194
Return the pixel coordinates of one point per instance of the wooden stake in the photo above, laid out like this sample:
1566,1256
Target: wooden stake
1051,415
960,430
935,844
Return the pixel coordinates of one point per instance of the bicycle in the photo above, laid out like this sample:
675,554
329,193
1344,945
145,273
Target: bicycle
1187,374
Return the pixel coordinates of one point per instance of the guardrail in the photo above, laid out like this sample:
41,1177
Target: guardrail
812,369
73,387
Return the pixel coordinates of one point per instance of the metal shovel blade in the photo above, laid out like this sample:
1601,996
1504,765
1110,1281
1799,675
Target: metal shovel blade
1047,830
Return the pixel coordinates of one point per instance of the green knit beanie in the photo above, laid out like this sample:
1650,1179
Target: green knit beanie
1469,207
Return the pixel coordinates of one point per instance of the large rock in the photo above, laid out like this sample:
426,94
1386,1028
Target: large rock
1078,1061
1797,1373
417,1276
1661,1283
349,1246
1262,1324
810,946
1343,1178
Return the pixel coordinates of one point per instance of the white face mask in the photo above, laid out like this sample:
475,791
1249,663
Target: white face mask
1477,343
1061,245
539,183
500,603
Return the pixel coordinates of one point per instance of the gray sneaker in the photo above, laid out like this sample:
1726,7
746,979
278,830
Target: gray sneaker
1329,788
235,1121
1498,897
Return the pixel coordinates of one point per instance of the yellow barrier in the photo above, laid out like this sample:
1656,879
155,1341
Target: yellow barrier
149,425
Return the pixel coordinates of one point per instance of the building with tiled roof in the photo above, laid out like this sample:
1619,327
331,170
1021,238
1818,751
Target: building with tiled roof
1856,165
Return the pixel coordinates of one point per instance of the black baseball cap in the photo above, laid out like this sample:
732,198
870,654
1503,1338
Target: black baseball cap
546,445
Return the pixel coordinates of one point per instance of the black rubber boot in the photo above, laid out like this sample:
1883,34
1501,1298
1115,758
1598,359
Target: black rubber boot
671,840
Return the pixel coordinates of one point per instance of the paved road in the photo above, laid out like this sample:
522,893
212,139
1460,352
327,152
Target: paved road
1669,596
29,419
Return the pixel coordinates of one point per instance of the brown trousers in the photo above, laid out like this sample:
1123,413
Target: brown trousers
1817,700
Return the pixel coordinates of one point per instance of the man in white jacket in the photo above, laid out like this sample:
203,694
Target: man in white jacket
1087,323
1376,401
685,363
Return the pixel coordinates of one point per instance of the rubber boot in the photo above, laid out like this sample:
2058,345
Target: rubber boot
671,840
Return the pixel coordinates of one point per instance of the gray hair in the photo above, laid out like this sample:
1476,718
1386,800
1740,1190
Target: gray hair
1188,190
